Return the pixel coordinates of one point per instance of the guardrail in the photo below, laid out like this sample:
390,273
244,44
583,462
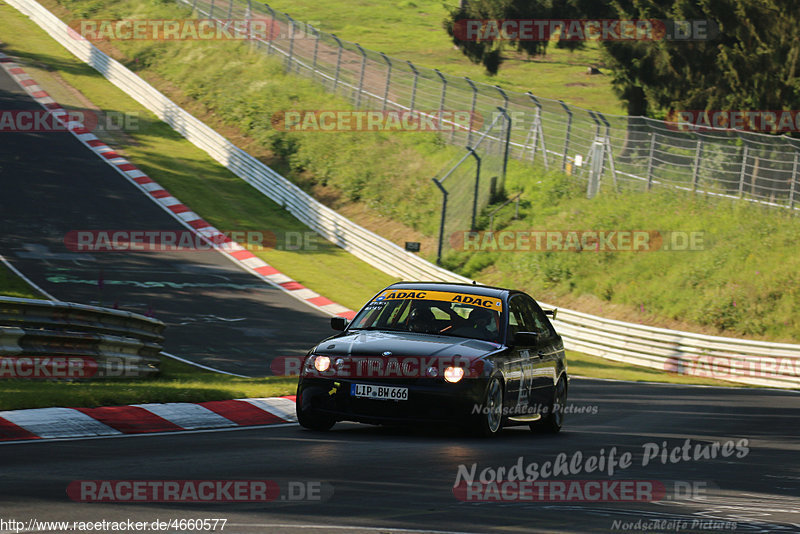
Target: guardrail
46,339
736,360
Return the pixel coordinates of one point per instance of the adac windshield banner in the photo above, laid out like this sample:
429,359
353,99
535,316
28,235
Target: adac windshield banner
446,296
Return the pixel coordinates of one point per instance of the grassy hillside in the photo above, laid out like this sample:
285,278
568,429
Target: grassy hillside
743,282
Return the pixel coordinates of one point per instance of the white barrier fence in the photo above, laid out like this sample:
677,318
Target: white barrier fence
737,360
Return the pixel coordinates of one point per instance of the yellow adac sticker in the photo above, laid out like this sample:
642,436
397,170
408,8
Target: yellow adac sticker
464,298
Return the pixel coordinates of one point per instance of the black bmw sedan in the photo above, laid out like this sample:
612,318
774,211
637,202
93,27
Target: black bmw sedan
439,353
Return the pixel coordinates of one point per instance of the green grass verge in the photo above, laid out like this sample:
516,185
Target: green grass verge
177,382
412,30
12,285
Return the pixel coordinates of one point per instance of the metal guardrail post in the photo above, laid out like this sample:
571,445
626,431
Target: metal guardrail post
413,86
744,168
441,221
650,159
316,52
290,57
388,80
477,187
338,62
361,76
566,135
230,10
793,185
536,134
211,10
248,14
272,30
504,134
507,145
194,6
472,109
696,168
444,94
608,148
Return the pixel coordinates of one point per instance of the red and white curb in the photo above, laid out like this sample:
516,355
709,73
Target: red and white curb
230,248
60,423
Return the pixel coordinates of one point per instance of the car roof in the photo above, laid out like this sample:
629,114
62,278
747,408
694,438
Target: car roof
472,289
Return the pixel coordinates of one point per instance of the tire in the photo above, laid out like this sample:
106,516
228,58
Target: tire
314,421
490,421
553,421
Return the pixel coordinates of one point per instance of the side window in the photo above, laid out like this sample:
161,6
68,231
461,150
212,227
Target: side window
519,317
540,323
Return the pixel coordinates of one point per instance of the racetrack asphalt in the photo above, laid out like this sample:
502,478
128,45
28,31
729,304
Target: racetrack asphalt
375,479
216,313
371,479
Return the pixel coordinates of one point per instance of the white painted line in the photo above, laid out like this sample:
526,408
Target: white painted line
305,293
254,263
201,366
27,280
278,278
58,423
188,215
151,186
169,201
187,415
149,434
283,408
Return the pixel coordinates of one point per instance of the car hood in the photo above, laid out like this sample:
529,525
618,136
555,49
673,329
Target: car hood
371,343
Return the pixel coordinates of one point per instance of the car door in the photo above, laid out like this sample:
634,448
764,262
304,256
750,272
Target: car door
520,379
546,357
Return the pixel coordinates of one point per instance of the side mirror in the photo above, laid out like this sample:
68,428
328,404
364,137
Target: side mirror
526,339
339,323
551,313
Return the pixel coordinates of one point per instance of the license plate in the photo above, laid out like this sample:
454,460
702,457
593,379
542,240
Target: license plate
369,391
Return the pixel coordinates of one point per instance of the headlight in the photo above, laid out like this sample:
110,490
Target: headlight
322,363
453,374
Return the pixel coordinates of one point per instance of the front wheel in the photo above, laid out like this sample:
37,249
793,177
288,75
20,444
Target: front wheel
552,422
490,420
314,421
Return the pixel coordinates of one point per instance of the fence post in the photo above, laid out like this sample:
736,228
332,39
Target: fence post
696,170
291,44
566,136
441,222
610,153
272,31
316,51
477,186
792,187
507,121
249,13
536,134
506,124
650,159
361,76
194,6
211,10
413,86
744,169
444,94
230,11
388,79
338,62
472,109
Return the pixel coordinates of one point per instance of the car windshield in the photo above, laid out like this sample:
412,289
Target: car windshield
441,313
